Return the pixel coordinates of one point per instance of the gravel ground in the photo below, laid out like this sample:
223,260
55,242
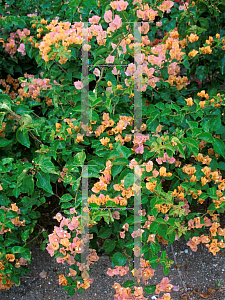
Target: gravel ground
200,271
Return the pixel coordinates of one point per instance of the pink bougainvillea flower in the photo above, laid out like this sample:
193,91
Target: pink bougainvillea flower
139,149
108,16
110,59
58,217
78,85
109,89
122,234
96,72
94,19
130,69
113,4
72,211
184,7
116,215
144,28
119,5
115,71
171,160
116,23
110,272
166,6
139,58
22,49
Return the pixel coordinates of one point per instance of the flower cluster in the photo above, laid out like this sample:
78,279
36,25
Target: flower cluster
13,40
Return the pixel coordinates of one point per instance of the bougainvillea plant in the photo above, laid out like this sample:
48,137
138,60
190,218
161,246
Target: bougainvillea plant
166,77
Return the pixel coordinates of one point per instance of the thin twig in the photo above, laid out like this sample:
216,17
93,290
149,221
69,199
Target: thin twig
183,283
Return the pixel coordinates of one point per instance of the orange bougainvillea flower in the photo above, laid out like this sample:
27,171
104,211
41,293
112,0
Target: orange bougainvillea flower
69,130
10,257
62,280
79,138
189,101
202,104
151,186
193,38
57,125
193,53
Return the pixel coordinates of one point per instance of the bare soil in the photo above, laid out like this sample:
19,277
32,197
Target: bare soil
202,276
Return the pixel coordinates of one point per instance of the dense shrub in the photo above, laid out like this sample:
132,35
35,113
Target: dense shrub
166,146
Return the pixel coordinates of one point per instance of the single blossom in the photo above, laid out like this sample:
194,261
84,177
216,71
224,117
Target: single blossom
96,72
78,85
22,49
108,16
110,59
94,19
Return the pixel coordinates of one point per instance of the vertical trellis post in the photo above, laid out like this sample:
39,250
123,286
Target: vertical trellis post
85,130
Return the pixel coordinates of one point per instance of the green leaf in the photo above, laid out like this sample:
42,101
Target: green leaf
111,77
65,198
109,245
105,232
18,249
6,102
23,137
46,165
25,235
201,72
43,181
22,175
129,180
55,100
26,120
204,22
192,145
115,170
96,102
170,230
28,185
154,248
113,154
186,63
166,270
66,205
180,149
124,151
16,192
79,158
162,229
118,259
11,214
222,64
221,165
215,124
16,279
206,136
172,236
102,49
150,288
4,142
219,146
128,283
26,255
120,161
98,62
205,125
